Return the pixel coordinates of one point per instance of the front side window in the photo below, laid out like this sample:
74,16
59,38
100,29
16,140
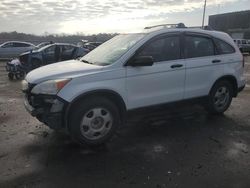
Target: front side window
8,45
223,47
198,46
162,49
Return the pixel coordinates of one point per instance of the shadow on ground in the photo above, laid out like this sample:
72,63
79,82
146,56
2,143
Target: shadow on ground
185,149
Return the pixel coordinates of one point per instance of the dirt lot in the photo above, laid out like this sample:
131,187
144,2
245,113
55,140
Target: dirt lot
187,149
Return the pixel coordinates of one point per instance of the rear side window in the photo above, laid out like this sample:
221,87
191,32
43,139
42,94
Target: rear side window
50,50
17,44
163,49
198,46
67,50
223,47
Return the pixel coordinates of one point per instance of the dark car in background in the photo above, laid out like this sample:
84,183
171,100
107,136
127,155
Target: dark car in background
12,49
51,53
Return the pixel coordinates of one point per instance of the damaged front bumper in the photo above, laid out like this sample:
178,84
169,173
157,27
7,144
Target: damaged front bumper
47,109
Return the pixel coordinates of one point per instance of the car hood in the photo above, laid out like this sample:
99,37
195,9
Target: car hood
65,69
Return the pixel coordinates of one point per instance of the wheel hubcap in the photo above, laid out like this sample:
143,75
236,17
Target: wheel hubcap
96,123
221,98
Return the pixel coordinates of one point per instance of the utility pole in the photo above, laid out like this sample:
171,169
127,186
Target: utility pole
204,12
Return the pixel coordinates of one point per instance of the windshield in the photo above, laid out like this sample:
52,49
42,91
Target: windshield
112,50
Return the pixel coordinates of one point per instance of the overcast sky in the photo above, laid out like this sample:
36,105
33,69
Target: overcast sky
99,16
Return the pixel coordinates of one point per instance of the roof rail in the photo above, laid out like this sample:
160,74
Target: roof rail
206,27
179,25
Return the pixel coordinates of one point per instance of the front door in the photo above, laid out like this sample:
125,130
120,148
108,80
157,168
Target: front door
163,81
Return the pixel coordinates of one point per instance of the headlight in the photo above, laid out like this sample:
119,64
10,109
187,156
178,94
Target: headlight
25,85
50,87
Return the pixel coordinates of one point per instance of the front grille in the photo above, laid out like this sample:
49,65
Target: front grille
11,68
37,100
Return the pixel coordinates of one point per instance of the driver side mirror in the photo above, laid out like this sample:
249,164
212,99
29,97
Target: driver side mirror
142,61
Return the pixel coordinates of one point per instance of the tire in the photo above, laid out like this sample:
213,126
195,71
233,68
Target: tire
11,76
220,97
94,121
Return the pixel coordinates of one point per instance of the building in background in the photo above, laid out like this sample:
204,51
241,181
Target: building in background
236,24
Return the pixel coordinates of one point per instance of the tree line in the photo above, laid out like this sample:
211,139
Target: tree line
74,38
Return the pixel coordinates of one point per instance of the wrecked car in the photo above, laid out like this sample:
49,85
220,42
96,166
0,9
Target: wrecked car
51,53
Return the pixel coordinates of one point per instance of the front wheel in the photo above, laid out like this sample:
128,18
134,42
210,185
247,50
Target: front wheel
94,121
220,97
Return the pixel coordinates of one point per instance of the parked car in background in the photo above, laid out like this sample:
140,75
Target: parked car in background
50,54
243,44
13,49
90,97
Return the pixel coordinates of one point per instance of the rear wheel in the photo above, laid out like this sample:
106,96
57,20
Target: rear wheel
220,97
94,121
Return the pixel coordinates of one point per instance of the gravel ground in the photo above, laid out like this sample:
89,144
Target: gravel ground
182,148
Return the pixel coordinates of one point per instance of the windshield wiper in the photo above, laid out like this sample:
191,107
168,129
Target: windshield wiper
85,61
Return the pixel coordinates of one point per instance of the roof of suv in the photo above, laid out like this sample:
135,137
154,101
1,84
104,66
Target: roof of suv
216,34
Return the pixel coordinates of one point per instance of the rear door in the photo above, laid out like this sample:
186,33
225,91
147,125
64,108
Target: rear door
203,66
163,81
49,55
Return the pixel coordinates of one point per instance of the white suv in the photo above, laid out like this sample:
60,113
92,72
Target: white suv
89,97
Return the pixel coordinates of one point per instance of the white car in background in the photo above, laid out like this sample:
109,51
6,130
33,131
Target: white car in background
89,97
12,49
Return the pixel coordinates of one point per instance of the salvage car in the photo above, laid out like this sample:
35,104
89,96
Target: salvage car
50,54
90,97
13,49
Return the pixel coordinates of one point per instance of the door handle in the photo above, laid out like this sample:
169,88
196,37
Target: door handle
176,66
216,61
